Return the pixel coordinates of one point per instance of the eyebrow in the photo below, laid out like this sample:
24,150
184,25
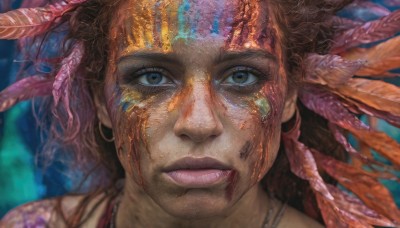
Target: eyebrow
225,56
155,56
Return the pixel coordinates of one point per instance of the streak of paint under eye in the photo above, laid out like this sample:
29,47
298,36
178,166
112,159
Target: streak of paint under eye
129,99
263,107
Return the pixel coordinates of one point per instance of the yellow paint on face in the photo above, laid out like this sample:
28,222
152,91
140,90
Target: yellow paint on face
130,99
157,24
263,107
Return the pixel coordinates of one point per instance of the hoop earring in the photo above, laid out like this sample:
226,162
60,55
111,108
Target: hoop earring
102,134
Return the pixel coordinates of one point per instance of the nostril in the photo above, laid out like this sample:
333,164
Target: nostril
184,137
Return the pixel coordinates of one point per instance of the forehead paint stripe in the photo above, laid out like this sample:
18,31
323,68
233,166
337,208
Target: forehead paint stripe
165,39
159,23
250,26
183,32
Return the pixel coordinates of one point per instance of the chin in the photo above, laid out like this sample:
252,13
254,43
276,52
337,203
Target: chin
196,204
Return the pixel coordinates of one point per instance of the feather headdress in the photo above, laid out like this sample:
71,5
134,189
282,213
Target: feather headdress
338,86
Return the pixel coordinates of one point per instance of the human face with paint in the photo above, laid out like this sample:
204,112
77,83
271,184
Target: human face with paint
195,94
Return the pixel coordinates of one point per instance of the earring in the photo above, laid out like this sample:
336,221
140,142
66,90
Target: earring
102,134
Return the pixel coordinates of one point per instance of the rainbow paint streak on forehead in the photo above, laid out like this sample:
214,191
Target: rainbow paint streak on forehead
158,24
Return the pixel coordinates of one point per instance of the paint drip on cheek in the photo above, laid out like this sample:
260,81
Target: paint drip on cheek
263,108
268,108
232,184
130,116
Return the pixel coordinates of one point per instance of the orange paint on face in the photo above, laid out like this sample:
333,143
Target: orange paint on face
158,24
177,99
152,26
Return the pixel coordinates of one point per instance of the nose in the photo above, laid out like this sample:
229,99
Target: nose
198,120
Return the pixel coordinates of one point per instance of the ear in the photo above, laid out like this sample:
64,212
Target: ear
290,106
101,110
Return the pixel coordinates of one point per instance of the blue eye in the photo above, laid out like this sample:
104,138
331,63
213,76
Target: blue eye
153,78
241,78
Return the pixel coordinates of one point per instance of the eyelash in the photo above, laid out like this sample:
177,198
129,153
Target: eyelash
132,79
146,89
261,77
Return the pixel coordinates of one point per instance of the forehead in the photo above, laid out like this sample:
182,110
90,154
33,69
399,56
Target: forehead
159,24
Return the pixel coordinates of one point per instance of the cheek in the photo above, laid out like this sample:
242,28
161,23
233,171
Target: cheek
258,120
130,117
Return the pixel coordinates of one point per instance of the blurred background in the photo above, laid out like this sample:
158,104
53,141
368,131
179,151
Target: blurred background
22,179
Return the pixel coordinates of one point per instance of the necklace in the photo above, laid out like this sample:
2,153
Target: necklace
266,224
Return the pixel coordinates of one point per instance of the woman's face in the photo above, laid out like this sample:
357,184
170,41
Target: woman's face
195,92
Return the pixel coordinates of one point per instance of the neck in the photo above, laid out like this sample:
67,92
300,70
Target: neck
137,209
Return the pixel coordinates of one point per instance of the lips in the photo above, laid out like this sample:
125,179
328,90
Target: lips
197,172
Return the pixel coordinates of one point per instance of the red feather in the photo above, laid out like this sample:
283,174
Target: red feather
328,105
29,22
374,194
302,162
358,209
369,32
25,89
379,59
376,94
331,70
340,23
68,68
63,80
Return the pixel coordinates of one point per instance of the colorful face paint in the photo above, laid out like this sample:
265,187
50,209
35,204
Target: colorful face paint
200,110
159,24
263,106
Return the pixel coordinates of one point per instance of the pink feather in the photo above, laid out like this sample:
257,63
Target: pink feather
363,184
302,162
331,70
29,22
357,208
63,79
392,3
33,3
341,23
328,105
369,32
25,89
68,68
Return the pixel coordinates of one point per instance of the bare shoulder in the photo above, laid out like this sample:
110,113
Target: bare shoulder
295,218
44,213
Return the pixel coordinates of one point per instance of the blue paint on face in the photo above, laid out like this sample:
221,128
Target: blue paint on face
125,106
184,7
215,26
